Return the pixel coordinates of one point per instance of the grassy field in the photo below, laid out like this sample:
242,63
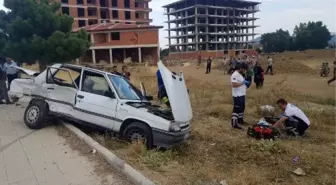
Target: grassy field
215,152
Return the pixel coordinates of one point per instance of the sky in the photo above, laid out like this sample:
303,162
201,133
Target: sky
274,14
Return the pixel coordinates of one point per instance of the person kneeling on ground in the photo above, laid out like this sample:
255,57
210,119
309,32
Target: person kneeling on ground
293,119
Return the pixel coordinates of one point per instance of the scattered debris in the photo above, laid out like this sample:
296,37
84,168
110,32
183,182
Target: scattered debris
94,151
223,182
299,172
295,159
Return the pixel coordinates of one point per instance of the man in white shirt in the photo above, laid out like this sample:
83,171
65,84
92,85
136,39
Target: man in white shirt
293,119
239,85
12,73
269,66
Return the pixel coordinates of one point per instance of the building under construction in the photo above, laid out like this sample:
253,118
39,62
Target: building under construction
210,28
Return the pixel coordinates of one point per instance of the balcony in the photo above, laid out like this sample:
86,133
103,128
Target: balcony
143,20
142,9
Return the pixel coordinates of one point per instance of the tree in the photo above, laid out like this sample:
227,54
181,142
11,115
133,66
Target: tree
311,35
164,52
278,41
34,30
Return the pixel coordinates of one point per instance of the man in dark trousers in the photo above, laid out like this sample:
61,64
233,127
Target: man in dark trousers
12,73
239,85
334,78
258,76
269,66
208,66
3,88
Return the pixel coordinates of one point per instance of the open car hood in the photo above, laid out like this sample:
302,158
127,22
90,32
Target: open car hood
177,94
26,71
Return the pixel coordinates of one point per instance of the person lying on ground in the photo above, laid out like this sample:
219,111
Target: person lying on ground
293,119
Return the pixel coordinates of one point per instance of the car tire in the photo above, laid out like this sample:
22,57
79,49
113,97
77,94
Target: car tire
138,131
35,114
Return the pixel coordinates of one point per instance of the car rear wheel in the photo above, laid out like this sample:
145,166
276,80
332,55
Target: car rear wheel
35,114
138,132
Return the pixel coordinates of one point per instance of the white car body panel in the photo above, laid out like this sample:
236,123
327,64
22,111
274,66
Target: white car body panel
103,109
128,112
177,94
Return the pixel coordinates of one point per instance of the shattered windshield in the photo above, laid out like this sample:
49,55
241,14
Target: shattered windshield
125,89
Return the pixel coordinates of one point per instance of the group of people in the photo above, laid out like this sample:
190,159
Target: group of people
7,74
292,119
124,72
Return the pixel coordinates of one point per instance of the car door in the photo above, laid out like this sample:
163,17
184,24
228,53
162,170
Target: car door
95,101
61,89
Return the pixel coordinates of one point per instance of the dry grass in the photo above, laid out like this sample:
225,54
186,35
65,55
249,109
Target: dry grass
215,152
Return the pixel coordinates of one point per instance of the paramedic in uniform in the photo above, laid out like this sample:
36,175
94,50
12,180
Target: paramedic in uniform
239,85
293,119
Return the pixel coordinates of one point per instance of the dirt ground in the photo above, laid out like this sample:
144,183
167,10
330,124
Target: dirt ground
215,152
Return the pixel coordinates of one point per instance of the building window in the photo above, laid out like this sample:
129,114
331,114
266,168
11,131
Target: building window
114,3
80,2
94,21
65,10
80,12
92,11
91,1
127,15
65,1
137,15
81,23
115,36
103,3
127,3
128,23
115,14
136,4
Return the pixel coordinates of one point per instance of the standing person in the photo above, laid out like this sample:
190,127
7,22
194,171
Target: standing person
126,73
3,88
292,119
208,66
239,85
258,76
115,71
270,65
334,78
12,73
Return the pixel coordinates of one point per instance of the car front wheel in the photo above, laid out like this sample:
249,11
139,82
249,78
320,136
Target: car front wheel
35,115
138,132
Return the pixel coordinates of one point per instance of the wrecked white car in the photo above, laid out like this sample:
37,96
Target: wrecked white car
101,99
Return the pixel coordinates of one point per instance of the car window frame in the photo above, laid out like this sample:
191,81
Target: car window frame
100,73
57,69
115,91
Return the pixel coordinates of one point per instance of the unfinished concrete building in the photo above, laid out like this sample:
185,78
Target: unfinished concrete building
210,27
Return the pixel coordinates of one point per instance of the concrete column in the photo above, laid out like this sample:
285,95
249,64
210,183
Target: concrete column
140,55
109,37
124,54
93,56
92,38
111,56
196,29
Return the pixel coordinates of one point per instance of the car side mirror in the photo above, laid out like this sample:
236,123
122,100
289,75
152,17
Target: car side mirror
149,98
109,94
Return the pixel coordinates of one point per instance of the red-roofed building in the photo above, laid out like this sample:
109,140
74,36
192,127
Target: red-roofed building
118,29
117,41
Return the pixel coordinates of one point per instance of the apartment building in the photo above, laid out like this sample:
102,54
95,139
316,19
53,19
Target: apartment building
89,12
211,28
118,29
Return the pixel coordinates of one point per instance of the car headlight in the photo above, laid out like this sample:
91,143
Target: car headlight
174,127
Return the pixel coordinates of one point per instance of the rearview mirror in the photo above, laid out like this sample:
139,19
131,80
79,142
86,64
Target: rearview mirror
109,94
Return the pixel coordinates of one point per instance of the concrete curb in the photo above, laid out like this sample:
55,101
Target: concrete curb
119,164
